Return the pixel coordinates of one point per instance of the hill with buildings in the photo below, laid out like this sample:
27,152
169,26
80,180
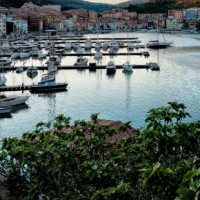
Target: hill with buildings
64,3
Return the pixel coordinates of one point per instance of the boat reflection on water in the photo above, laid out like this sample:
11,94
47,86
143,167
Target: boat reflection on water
15,109
18,108
5,115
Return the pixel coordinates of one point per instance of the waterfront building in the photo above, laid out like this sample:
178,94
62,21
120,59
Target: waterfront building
92,14
192,24
21,26
51,18
2,26
154,20
81,24
76,14
69,24
176,14
3,11
191,14
173,24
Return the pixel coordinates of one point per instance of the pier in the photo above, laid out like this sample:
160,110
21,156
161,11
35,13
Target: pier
92,66
15,88
140,53
69,67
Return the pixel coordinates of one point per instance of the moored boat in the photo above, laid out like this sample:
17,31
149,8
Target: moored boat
81,62
20,69
32,72
111,68
48,84
12,100
5,109
127,67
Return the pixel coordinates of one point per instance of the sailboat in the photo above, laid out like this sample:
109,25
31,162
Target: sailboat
127,67
48,84
156,44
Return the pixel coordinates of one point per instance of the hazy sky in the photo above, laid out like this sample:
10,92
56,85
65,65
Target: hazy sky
107,1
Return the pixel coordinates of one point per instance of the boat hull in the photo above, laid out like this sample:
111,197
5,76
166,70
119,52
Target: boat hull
111,70
5,110
14,102
42,88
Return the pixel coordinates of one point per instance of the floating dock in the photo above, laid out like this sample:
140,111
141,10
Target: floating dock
70,67
104,54
15,88
92,66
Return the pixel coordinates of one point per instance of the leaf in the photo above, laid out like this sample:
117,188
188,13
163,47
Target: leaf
189,175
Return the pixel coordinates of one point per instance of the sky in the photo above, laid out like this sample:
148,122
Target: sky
107,1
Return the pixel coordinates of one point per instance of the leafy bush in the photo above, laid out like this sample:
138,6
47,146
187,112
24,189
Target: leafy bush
62,161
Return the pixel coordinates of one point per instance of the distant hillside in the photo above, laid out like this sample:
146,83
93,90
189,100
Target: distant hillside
64,3
163,6
187,3
127,3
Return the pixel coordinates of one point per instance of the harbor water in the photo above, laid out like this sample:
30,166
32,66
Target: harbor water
124,97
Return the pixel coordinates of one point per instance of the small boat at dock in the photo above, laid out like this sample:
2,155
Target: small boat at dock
48,84
20,70
12,100
32,72
111,67
5,109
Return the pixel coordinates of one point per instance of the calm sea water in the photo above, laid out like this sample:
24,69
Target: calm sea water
118,97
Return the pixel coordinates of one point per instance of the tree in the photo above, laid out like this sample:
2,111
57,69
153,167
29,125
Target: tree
63,161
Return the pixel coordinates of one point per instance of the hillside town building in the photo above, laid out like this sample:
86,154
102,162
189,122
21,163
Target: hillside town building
31,17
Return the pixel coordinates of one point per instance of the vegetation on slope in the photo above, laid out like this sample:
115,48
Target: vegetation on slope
161,162
163,6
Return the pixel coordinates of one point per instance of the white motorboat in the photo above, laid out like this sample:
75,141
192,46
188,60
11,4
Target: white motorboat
98,45
15,55
32,72
52,68
80,50
5,62
53,60
98,55
48,44
106,45
81,62
130,46
3,79
76,45
23,55
12,100
35,51
88,44
121,44
20,69
6,53
111,68
114,45
112,51
5,109
42,55
127,67
5,45
68,45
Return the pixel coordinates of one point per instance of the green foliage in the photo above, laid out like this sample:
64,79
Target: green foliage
63,161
